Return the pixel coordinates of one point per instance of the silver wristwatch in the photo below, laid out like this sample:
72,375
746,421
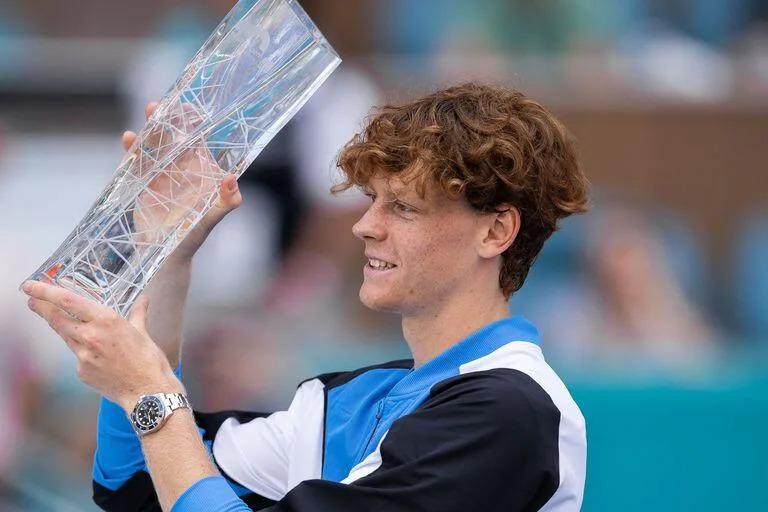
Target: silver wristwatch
152,411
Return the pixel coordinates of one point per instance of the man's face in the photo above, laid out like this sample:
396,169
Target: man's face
421,252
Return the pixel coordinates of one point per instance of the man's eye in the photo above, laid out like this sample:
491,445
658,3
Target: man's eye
370,195
403,208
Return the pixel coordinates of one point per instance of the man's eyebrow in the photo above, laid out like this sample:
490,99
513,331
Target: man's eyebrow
405,193
393,192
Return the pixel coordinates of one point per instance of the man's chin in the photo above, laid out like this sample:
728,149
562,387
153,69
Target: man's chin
377,302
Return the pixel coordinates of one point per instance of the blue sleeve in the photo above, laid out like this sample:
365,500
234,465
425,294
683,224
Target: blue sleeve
118,450
210,494
121,480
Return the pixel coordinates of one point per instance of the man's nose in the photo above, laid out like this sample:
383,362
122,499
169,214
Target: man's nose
371,225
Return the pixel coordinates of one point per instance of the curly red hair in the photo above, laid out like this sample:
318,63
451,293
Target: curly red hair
488,144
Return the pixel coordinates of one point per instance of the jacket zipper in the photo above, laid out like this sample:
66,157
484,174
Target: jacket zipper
379,410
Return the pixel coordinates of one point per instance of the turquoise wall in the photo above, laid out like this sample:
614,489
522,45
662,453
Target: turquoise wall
661,445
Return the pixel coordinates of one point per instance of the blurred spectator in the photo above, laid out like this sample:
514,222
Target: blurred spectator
239,363
643,302
626,304
323,246
750,278
669,63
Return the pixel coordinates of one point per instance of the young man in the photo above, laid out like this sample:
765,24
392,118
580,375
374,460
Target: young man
465,186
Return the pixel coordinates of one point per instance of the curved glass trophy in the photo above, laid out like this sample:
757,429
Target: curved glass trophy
260,65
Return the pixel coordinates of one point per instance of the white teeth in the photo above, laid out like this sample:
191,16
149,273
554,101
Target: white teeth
379,264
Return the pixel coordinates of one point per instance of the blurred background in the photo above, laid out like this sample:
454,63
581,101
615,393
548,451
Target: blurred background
654,307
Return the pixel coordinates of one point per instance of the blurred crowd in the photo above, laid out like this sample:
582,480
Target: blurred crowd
637,285
695,50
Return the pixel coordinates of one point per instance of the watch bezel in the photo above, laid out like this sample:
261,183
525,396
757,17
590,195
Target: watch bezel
142,429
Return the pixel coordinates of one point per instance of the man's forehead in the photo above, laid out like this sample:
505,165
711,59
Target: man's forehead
401,185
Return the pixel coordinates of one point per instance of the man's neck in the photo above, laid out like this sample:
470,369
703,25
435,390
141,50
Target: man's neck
429,334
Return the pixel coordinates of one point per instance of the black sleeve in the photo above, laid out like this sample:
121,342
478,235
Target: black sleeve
138,494
486,441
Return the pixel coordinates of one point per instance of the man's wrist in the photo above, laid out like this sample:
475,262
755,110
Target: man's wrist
129,400
178,263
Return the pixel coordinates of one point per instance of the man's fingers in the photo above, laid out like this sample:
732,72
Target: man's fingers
138,315
65,300
64,325
150,108
230,196
129,138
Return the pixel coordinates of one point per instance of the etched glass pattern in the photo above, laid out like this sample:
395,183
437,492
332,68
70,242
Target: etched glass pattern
260,65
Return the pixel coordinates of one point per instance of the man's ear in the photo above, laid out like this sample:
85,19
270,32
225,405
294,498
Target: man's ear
500,230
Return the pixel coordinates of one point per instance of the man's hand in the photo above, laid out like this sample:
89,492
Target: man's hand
199,166
168,290
115,356
118,359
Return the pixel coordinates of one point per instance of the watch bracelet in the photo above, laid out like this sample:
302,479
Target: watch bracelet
175,401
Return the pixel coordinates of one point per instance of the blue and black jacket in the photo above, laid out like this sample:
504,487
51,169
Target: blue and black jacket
487,425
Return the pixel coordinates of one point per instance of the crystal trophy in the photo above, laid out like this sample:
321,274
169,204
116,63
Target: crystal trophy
261,64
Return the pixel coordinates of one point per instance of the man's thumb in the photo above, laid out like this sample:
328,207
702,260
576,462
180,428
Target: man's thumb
138,315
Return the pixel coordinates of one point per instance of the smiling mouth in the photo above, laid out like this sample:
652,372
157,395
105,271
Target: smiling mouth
379,264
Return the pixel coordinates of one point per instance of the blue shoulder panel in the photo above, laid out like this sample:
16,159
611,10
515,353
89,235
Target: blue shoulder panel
360,411
351,416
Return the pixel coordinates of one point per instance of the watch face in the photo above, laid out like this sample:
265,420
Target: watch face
148,413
